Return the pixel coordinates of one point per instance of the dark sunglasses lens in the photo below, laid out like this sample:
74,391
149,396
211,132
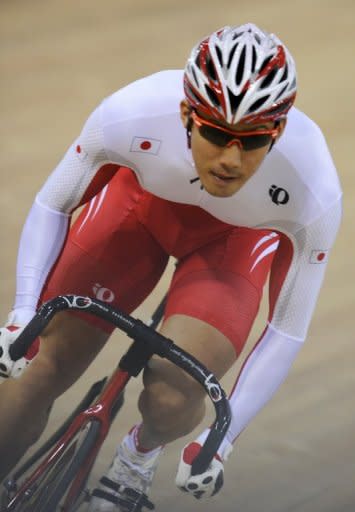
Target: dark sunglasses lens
215,136
221,138
250,142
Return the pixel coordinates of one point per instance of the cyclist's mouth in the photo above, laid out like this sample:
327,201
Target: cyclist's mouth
223,178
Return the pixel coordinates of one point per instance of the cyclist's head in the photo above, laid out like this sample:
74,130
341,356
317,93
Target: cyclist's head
241,74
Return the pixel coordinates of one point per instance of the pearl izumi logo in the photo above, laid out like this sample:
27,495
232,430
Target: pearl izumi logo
278,195
102,293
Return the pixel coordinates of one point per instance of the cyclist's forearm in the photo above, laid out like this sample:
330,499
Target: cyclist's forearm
41,241
264,371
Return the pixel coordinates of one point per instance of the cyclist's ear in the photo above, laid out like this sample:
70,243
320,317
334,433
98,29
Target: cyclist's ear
185,112
281,125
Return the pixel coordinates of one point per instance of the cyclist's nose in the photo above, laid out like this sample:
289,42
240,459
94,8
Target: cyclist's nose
231,157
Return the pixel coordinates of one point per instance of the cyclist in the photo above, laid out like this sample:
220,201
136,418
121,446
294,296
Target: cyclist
214,166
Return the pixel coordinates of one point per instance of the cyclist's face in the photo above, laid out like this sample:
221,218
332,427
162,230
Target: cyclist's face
223,170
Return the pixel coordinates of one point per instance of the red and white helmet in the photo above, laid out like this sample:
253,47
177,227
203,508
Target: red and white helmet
241,73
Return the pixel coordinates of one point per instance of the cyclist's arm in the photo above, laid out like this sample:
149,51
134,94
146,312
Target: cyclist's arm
296,278
81,174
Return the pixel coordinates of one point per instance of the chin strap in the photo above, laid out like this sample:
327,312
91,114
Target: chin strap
273,141
188,131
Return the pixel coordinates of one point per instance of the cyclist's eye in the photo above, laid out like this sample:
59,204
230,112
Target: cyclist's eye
215,136
222,138
255,141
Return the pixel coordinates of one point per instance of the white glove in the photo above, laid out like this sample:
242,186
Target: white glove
208,483
8,334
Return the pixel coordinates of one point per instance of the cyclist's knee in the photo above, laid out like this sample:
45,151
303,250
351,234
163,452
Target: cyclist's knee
41,381
168,407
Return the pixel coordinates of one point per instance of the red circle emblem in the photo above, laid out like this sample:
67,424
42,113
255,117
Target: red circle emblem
145,145
78,149
321,256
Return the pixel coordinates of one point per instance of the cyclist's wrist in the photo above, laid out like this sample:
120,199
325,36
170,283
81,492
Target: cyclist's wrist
225,448
20,316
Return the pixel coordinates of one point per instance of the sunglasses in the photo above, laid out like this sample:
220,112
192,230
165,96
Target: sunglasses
245,140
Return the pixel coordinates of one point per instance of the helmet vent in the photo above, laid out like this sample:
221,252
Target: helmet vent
212,96
258,103
240,69
234,100
257,38
219,55
253,61
285,74
268,79
279,108
193,96
195,76
211,69
265,63
281,93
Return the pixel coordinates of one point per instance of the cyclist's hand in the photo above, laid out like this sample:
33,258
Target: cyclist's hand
208,483
8,334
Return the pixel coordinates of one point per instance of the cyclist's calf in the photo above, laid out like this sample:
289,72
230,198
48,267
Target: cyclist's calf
68,346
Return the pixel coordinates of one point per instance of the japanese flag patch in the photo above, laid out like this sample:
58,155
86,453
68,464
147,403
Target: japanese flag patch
145,145
318,257
80,153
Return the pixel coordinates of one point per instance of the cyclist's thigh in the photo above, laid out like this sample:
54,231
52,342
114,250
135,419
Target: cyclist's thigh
109,254
68,346
200,339
222,283
214,298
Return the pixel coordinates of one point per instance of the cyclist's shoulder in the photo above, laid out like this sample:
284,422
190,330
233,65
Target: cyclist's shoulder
303,150
300,121
155,95
302,132
303,136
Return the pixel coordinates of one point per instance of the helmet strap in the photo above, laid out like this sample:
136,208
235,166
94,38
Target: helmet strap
188,131
273,141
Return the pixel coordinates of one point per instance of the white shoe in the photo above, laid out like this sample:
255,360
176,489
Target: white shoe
125,485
